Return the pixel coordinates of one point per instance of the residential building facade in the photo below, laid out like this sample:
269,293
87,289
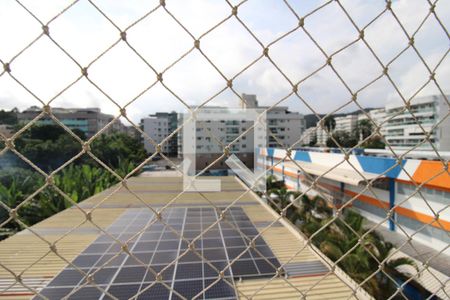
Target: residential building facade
284,129
309,137
431,112
88,120
158,127
346,123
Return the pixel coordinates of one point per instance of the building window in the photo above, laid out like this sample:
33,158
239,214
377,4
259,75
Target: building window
381,183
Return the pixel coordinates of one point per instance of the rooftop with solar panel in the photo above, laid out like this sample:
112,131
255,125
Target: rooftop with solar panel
230,150
150,241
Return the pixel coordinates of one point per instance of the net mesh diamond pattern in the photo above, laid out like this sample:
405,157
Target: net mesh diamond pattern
159,77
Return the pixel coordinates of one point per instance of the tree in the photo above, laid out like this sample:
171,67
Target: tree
363,129
47,146
313,141
345,238
330,123
116,147
343,139
8,117
374,143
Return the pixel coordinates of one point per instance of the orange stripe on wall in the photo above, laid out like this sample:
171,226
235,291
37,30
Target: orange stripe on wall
428,169
423,218
372,201
433,187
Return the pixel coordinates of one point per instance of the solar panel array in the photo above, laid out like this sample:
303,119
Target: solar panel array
157,249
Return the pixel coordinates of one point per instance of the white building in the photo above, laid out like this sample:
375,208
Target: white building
309,137
286,126
346,123
403,131
212,136
88,120
158,127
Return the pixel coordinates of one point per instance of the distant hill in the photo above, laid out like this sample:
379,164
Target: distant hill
311,119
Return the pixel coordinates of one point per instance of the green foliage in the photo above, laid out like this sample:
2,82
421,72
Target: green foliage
272,183
343,139
330,123
374,143
47,146
313,142
344,239
50,146
8,117
48,154
114,148
363,129
78,182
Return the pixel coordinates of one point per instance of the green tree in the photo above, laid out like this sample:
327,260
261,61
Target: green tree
8,117
363,129
330,123
345,238
313,142
114,148
15,186
374,143
343,139
47,146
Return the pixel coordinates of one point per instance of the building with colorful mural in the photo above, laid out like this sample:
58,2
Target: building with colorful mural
408,196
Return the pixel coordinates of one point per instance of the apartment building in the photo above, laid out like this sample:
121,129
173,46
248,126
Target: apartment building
88,120
212,136
431,112
158,127
316,136
346,123
285,129
309,137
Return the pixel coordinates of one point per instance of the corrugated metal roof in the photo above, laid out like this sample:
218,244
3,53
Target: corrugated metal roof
71,232
345,175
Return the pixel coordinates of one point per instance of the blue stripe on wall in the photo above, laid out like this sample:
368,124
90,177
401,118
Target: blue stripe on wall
302,156
391,203
379,165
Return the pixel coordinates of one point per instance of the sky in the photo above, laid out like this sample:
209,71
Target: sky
85,33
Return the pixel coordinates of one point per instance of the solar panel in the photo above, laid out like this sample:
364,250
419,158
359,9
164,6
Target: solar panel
157,291
123,291
157,247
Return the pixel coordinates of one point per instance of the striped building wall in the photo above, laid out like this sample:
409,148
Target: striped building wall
397,189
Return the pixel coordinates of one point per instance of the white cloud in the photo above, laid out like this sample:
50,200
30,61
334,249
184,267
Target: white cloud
85,33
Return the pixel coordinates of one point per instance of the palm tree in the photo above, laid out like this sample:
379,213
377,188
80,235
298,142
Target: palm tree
363,257
330,123
342,240
364,129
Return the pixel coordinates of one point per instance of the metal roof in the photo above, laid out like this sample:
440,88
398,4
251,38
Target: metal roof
347,175
70,232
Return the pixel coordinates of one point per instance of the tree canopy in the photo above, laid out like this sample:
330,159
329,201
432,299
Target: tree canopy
8,117
343,139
